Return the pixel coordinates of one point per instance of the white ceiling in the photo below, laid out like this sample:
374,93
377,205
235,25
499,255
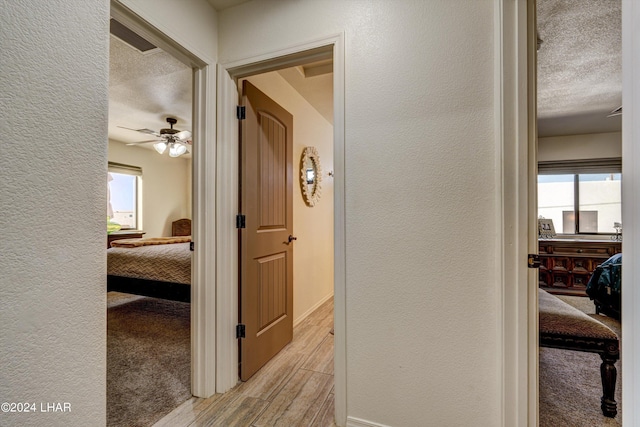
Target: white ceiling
579,76
224,4
579,66
145,89
315,83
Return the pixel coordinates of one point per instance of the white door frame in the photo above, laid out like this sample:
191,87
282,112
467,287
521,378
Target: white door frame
227,203
203,300
630,212
517,145
515,123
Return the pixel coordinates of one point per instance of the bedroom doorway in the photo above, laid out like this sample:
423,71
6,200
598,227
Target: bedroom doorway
579,148
150,139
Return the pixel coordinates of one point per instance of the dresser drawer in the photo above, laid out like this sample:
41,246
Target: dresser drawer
567,265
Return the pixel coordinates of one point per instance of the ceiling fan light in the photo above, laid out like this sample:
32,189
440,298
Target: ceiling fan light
176,149
160,147
182,135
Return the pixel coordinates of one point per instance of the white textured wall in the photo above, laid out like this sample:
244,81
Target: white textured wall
166,184
578,147
191,23
422,335
53,162
313,226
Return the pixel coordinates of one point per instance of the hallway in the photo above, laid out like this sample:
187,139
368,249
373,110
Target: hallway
293,388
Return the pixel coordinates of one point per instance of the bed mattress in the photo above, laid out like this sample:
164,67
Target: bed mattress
166,263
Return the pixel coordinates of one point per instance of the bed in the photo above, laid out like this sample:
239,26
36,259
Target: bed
565,327
159,268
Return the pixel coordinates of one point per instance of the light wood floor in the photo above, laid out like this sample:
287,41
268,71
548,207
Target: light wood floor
294,389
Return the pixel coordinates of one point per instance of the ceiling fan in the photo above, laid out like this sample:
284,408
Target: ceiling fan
616,112
174,139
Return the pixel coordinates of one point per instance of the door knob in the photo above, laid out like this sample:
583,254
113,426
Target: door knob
292,238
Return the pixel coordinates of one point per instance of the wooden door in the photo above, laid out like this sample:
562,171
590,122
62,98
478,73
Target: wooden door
266,262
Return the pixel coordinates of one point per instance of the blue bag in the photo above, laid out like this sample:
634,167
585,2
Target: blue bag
604,287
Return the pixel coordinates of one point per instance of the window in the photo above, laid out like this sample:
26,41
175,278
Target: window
581,197
124,188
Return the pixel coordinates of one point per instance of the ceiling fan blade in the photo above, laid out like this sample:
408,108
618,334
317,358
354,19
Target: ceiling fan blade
144,142
145,130
182,135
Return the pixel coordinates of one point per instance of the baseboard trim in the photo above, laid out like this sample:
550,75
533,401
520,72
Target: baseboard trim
357,422
307,313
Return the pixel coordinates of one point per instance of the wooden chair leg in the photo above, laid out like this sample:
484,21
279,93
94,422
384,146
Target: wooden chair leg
608,374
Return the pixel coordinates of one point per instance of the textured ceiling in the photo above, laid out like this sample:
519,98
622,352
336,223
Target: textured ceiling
145,89
579,76
579,66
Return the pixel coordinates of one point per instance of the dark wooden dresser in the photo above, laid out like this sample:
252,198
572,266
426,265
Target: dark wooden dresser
567,264
127,234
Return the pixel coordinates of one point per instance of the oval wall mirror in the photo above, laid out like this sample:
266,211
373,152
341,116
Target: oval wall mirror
310,175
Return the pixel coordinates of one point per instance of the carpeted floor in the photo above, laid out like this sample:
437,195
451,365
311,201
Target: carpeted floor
570,387
148,359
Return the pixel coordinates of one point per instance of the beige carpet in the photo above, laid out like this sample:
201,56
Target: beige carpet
570,387
148,359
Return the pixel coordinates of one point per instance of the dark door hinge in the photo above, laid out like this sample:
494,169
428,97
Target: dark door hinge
241,221
240,112
533,261
240,331
191,245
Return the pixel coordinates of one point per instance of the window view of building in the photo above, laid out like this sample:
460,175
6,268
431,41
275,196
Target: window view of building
123,192
581,203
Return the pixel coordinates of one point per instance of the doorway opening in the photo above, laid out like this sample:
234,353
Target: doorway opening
579,199
286,192
151,124
228,158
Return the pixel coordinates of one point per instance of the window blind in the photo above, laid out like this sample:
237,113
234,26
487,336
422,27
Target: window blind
124,169
608,165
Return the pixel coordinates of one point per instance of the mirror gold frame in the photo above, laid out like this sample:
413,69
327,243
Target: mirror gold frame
310,176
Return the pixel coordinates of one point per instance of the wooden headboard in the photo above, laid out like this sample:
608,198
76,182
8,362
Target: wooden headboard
181,227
